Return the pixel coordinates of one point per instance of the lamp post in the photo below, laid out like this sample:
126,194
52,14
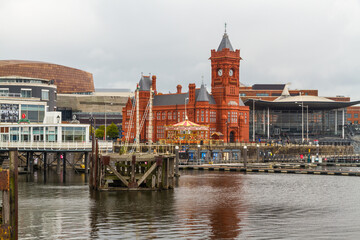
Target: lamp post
105,120
302,121
307,122
186,118
253,113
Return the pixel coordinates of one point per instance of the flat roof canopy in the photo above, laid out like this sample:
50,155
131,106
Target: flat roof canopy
313,105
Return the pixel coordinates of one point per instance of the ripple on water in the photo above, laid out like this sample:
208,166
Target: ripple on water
206,205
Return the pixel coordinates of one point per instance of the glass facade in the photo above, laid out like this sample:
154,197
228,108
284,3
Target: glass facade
35,113
73,134
28,133
294,123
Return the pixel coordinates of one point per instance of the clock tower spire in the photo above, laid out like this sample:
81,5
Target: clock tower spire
225,66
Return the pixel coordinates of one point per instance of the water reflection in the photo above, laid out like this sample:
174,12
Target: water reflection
214,199
131,214
205,205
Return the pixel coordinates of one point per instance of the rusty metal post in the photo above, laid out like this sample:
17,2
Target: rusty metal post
31,162
86,165
96,167
91,169
28,162
13,184
45,165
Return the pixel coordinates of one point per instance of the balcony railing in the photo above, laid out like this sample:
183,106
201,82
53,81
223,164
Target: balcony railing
104,146
10,95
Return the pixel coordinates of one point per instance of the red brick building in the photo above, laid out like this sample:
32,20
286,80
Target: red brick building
223,109
353,115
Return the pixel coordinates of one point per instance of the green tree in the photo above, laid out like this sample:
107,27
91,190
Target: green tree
112,131
99,133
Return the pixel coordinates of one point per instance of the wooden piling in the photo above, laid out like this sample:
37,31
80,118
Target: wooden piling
58,166
9,188
45,165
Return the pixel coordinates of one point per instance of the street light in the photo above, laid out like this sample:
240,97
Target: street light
302,121
105,119
307,122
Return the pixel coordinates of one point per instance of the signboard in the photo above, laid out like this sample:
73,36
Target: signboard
9,112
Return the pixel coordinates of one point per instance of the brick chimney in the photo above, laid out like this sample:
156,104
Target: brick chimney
192,93
153,83
178,87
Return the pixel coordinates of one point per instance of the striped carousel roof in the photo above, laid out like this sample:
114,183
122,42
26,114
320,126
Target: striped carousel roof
187,125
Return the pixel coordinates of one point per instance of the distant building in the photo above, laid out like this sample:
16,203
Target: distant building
222,110
353,115
68,80
269,92
102,104
50,133
301,117
22,95
18,88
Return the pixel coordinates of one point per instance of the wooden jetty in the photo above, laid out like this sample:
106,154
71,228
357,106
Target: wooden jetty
9,206
138,171
270,169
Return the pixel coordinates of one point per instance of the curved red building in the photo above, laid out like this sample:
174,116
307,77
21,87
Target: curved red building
67,79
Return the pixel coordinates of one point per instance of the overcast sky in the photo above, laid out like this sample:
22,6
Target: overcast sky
312,44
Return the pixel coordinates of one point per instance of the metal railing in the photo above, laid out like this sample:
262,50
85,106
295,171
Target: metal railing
103,145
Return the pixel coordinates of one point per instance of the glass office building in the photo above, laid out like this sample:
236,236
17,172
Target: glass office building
297,117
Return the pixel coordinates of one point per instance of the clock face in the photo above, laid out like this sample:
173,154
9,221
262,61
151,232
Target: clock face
220,72
231,72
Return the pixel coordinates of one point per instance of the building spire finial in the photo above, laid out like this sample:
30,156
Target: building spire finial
202,79
225,27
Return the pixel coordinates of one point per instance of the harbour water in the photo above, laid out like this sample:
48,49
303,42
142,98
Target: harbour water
205,205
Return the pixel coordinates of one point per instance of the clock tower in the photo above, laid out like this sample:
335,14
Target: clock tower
225,66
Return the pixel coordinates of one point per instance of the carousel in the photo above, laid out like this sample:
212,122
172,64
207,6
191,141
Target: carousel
187,132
